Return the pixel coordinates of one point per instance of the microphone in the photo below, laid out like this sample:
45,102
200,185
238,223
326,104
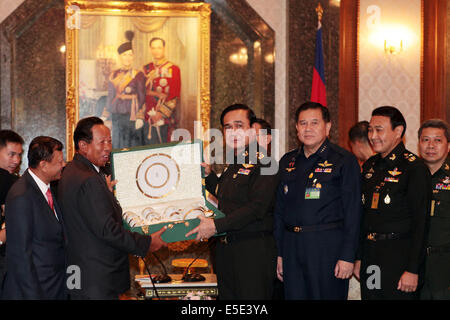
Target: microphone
192,277
195,277
161,278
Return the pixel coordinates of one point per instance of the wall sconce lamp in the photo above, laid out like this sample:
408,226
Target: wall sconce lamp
391,48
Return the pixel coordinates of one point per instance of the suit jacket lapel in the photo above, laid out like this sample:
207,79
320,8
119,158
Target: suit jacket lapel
41,197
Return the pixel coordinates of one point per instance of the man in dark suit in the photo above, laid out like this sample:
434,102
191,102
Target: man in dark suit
96,241
35,252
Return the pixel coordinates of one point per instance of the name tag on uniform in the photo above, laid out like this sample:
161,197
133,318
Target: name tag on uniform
433,203
375,199
312,193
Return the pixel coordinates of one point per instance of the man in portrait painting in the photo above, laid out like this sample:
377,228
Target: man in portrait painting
163,84
126,98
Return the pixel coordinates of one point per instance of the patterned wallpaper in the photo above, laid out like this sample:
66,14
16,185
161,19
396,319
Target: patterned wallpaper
387,79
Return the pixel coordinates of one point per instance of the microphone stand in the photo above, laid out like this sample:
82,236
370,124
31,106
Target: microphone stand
161,278
194,277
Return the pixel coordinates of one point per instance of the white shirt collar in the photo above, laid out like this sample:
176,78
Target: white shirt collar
96,168
41,184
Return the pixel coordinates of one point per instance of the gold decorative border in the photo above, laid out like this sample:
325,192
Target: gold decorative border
200,10
173,188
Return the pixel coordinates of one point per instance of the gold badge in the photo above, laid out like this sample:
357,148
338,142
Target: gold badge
246,166
447,167
289,169
395,172
370,173
259,155
411,157
318,185
310,175
325,164
392,157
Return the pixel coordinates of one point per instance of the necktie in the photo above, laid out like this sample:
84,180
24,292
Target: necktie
49,198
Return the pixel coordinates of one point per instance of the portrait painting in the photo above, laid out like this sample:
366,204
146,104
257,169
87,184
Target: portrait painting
142,67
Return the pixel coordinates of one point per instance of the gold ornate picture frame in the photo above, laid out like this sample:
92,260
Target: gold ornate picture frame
98,32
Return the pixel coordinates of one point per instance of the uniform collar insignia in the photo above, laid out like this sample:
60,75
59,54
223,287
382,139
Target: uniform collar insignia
323,149
409,156
395,172
259,155
245,153
325,164
393,157
447,167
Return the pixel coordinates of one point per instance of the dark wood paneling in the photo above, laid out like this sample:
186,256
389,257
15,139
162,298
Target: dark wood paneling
433,91
348,69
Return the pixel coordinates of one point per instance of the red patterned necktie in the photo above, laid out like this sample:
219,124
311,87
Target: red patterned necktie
49,198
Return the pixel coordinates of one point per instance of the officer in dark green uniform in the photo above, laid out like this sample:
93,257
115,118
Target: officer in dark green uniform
434,145
246,257
395,195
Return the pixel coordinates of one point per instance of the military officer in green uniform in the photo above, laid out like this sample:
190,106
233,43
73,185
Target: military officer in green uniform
396,196
434,145
246,257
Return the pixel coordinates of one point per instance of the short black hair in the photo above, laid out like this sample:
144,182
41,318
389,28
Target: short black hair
250,114
393,114
313,105
42,149
9,136
264,125
156,38
359,132
438,124
83,131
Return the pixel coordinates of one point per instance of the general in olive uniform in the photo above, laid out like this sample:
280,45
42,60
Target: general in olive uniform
246,256
317,213
395,197
434,145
